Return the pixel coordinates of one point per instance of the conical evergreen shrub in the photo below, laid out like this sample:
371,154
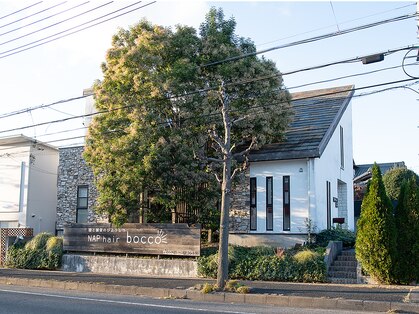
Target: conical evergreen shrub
375,245
407,226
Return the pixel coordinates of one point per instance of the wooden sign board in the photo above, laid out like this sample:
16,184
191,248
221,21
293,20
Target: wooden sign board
147,239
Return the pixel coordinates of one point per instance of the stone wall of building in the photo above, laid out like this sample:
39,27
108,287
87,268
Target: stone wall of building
72,173
240,204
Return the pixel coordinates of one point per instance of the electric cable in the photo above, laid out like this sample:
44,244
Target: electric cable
2,17
216,114
403,63
203,116
33,14
390,51
313,39
45,18
55,24
74,32
329,26
17,112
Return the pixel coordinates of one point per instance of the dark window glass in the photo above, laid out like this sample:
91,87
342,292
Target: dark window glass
342,151
328,205
269,204
287,203
253,202
82,204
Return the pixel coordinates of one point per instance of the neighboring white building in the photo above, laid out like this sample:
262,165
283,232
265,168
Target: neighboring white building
307,176
28,184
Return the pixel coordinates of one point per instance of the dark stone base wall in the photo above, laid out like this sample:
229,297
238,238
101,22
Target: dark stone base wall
240,204
73,172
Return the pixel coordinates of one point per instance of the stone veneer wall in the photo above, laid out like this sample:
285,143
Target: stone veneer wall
240,204
73,172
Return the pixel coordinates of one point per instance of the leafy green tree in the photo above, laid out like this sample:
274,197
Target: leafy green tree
140,150
375,245
249,115
393,180
407,226
161,135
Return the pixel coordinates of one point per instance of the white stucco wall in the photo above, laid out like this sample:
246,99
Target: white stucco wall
308,184
299,193
328,168
28,184
13,184
42,191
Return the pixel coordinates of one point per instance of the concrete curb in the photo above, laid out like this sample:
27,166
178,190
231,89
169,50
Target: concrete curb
221,297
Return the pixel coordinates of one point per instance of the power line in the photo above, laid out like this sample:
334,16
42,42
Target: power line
351,75
33,14
2,17
390,51
254,107
55,24
74,32
45,18
164,99
313,39
26,110
344,22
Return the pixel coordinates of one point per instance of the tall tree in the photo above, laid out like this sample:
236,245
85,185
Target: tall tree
393,180
142,142
174,120
246,115
375,245
407,226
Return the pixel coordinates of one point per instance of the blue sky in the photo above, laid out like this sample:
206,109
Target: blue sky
385,125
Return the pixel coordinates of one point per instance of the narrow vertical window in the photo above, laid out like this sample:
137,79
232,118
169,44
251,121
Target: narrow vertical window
286,201
269,204
328,204
253,207
342,150
82,202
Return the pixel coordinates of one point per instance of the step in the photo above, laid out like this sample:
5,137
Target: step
345,263
348,253
342,268
342,274
342,280
347,258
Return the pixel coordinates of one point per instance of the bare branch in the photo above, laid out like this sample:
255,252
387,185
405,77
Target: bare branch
248,149
217,139
234,172
217,177
240,119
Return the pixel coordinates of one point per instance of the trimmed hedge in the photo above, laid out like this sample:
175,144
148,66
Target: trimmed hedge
44,251
261,263
347,237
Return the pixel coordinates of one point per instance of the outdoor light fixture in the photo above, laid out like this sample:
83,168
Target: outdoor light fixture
373,58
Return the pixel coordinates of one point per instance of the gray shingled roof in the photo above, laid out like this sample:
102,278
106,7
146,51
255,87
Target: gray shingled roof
363,172
316,116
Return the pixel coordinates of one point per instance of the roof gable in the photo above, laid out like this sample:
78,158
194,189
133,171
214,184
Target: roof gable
316,115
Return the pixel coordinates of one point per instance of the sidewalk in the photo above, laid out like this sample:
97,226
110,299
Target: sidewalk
403,299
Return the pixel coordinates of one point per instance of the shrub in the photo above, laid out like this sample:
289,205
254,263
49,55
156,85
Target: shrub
44,251
393,180
336,234
261,263
376,236
305,256
407,226
207,288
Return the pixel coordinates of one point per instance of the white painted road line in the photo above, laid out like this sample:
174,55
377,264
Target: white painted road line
120,302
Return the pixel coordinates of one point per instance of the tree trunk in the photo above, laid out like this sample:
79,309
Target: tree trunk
222,271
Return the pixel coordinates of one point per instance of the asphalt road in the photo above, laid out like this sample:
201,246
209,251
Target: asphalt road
353,292
27,300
